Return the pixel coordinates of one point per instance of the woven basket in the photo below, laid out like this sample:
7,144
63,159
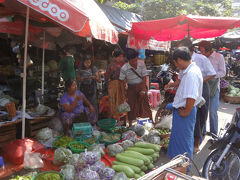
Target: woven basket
232,100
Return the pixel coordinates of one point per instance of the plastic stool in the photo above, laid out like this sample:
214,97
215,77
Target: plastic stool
156,85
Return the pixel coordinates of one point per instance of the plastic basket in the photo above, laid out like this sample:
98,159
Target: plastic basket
87,139
108,142
74,150
82,129
80,138
38,176
106,124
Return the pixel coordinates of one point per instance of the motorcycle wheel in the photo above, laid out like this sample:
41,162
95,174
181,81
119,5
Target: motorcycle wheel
229,168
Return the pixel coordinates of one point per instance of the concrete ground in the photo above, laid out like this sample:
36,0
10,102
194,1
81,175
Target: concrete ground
225,114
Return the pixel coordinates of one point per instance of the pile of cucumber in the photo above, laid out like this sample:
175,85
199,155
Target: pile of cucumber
135,160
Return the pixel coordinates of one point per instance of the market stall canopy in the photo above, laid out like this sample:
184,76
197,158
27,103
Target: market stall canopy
177,28
84,18
231,39
122,20
231,35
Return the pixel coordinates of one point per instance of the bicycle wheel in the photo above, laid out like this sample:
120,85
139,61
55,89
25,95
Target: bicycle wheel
229,168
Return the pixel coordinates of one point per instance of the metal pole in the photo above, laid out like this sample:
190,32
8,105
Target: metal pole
25,73
43,62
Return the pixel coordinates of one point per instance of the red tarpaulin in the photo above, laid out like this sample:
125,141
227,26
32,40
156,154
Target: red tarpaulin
84,18
179,27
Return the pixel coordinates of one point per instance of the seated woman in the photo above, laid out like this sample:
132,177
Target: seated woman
72,107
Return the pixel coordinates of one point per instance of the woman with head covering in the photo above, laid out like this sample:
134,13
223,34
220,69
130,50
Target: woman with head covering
72,106
116,92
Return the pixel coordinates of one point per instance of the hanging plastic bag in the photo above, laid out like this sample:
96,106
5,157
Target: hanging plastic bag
124,107
166,122
32,160
44,134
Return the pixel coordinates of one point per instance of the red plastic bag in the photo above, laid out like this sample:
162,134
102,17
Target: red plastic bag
14,151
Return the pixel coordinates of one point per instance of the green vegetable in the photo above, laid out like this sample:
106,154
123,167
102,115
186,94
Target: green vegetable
142,173
136,176
129,160
127,170
149,157
21,178
110,137
134,168
144,168
63,141
164,131
120,130
148,146
79,146
154,155
141,150
165,142
49,176
91,140
150,166
155,159
137,155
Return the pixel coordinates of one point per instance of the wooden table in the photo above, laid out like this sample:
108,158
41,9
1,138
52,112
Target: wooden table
8,132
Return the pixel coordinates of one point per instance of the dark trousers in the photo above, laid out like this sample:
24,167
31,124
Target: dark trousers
202,113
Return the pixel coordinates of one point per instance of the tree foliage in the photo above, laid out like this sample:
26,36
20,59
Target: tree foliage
101,1
158,9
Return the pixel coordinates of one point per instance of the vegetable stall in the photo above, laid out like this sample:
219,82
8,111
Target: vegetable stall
116,152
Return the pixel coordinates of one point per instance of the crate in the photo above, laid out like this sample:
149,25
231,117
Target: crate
232,99
8,132
80,129
82,137
34,125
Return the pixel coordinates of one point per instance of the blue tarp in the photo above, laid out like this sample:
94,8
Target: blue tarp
119,18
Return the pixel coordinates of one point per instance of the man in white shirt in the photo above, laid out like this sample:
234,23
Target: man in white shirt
134,73
208,73
188,95
218,62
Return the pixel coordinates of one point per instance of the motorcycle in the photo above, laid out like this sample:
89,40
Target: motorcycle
165,76
224,162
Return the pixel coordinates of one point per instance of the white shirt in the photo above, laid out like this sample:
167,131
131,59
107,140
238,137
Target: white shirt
204,64
218,63
130,76
190,86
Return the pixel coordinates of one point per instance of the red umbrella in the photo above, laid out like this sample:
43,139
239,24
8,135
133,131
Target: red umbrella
84,18
177,28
